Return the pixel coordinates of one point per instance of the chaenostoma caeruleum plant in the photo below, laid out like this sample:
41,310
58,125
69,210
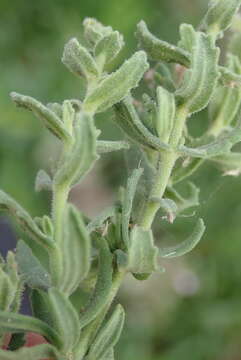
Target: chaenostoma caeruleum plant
96,254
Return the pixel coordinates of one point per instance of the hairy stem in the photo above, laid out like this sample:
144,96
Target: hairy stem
164,170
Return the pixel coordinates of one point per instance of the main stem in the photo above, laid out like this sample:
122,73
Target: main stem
165,166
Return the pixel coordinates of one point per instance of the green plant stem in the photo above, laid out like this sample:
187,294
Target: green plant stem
60,197
164,170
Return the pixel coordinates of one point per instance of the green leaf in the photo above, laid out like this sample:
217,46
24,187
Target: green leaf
201,79
43,181
102,290
65,319
128,120
170,208
100,219
24,220
185,170
109,355
108,336
7,291
187,34
182,203
220,15
229,163
222,145
83,155
76,250
109,47
166,109
94,31
40,305
187,245
160,50
142,253
34,353
117,85
16,323
78,60
104,147
52,122
30,268
128,202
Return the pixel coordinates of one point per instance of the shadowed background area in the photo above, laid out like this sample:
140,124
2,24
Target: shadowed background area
193,310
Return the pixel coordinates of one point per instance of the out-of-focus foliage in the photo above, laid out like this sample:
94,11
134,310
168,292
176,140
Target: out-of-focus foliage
193,310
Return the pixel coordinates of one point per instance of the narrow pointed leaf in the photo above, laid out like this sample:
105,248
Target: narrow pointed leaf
10,322
83,155
49,118
117,85
128,120
24,220
221,146
30,268
38,352
187,34
142,252
128,202
78,60
65,318
77,250
160,50
102,290
187,245
104,147
166,109
200,81
108,336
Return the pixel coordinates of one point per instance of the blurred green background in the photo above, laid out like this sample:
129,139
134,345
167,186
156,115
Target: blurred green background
193,310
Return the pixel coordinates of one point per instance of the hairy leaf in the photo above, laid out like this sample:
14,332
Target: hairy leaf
187,245
109,47
108,336
43,181
200,81
166,109
52,122
160,50
104,147
116,86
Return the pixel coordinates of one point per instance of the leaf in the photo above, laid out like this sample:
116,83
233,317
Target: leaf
229,163
160,50
200,81
102,290
187,34
24,220
117,85
78,60
65,319
109,355
30,267
83,155
128,202
43,181
52,122
220,14
94,31
16,323
128,120
104,147
100,219
108,336
7,291
142,253
170,208
166,109
186,169
187,245
184,203
109,47
33,353
76,250
40,306
222,145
